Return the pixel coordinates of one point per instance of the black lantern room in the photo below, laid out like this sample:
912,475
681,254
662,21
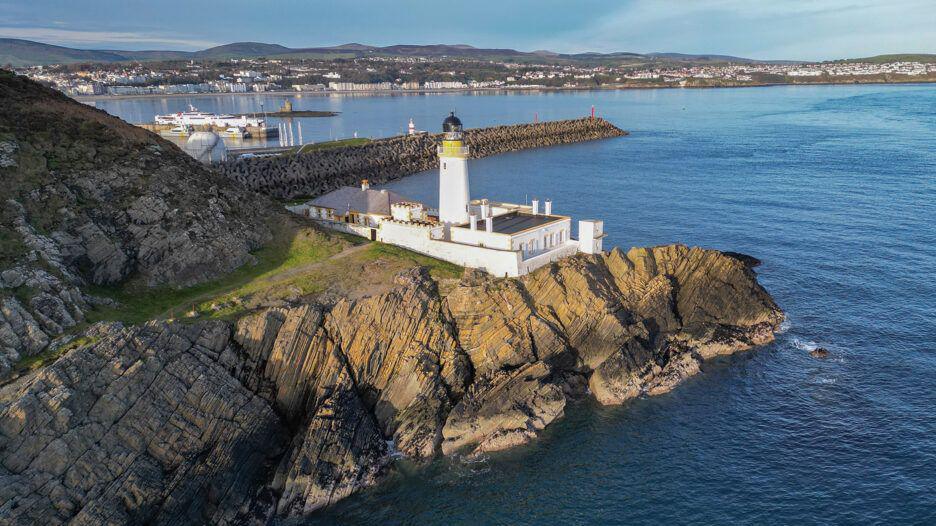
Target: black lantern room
452,124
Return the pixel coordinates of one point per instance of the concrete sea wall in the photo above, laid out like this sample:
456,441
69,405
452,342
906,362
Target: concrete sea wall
321,171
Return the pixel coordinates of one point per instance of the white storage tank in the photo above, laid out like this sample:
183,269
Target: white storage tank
207,147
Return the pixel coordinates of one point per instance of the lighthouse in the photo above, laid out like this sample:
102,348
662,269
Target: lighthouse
500,238
453,174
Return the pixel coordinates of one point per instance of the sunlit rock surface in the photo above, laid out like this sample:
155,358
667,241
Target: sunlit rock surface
290,409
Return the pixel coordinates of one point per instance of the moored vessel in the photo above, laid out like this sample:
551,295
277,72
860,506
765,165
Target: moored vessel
178,131
194,117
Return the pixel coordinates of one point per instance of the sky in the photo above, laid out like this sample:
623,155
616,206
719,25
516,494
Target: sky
762,29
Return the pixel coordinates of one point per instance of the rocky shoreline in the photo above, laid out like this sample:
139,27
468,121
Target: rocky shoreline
290,409
321,171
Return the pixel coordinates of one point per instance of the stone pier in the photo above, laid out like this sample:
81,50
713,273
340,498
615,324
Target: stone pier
321,171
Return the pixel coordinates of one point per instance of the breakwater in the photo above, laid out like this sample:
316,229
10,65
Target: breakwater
321,171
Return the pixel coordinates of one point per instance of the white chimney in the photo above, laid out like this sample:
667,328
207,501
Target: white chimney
547,207
489,224
474,221
365,184
534,206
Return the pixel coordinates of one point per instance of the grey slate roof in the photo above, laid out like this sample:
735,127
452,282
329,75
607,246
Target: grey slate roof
368,201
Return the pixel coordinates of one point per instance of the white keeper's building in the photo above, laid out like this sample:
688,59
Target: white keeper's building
502,239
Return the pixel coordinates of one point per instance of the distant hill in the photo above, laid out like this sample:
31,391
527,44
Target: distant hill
241,50
700,58
717,59
26,53
908,57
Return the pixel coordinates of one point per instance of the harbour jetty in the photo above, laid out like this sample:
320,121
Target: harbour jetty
320,171
287,110
254,131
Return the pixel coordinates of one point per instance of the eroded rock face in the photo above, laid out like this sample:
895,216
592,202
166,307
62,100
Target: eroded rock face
292,408
404,359
504,409
340,452
497,325
91,200
141,426
493,362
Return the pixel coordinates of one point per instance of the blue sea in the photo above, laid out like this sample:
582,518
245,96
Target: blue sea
834,189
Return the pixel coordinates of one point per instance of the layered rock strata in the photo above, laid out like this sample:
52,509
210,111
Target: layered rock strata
91,200
291,409
321,171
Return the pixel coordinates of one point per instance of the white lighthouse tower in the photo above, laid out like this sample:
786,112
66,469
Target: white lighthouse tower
453,174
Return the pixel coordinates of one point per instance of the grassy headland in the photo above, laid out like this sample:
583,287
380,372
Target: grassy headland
340,143
301,261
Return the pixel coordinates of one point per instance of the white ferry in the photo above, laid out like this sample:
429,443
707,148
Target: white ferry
193,117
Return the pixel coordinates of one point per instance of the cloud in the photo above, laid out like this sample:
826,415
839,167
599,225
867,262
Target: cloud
790,29
72,37
765,29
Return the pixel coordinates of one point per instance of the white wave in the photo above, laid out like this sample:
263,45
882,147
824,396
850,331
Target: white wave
784,326
804,346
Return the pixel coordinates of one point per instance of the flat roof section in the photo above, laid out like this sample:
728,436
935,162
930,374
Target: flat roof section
515,222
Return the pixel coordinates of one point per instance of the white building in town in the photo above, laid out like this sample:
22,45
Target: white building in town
503,239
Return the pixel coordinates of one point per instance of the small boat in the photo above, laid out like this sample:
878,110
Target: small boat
235,132
179,131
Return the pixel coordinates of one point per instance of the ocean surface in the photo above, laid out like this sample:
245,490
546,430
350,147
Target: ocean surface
833,188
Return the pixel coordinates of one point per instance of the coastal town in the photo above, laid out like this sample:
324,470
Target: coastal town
427,73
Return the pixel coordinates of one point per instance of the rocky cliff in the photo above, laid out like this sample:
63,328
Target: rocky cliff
321,171
289,409
91,200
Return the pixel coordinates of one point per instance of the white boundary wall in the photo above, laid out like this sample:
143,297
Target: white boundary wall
480,237
501,263
348,228
416,238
